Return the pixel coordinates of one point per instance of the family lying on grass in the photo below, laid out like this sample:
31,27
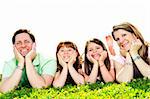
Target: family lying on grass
30,69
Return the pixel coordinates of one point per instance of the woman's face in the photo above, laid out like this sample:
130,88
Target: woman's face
124,39
94,50
66,53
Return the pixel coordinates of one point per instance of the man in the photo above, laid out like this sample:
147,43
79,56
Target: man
28,68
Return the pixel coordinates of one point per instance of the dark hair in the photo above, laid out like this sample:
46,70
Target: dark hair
23,31
77,64
87,64
143,51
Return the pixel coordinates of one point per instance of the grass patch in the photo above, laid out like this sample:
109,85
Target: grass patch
137,89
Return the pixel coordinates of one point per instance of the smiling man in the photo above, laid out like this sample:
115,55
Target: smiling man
28,68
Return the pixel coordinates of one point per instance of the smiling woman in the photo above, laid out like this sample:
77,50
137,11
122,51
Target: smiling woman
134,53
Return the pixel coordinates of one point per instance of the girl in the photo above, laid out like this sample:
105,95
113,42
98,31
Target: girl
68,65
97,64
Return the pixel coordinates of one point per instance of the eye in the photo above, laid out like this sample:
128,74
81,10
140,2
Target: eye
70,50
18,43
117,39
61,50
97,47
123,35
26,42
90,50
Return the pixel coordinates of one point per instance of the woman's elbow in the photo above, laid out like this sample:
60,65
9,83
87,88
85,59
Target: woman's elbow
57,85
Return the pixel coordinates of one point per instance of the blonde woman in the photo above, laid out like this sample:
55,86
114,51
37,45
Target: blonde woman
134,58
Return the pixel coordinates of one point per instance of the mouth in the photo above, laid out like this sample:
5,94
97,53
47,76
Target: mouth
96,56
24,52
66,58
125,45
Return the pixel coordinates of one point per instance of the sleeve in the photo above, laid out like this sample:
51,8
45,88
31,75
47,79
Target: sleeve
50,67
7,70
118,59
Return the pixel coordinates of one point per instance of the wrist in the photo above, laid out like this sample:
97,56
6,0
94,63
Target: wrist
101,65
20,67
133,52
136,57
28,59
128,63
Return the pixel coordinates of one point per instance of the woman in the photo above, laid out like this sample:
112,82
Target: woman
134,59
97,65
68,65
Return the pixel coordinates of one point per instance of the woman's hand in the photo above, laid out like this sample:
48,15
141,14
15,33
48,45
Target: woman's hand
109,41
72,58
103,56
136,45
60,60
91,59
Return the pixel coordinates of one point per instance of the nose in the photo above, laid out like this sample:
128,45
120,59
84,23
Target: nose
95,50
121,40
66,52
23,45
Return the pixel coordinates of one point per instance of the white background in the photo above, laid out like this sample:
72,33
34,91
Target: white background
52,21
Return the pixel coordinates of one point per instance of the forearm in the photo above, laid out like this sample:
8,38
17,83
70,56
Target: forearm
36,81
94,73
125,74
11,82
107,76
143,67
79,79
61,79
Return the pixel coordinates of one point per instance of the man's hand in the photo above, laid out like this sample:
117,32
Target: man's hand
32,54
18,57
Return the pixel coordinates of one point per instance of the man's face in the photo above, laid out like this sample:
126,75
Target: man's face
23,43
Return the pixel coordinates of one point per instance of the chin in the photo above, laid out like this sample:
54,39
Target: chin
24,54
66,61
96,58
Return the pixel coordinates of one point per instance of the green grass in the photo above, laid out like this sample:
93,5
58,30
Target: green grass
137,89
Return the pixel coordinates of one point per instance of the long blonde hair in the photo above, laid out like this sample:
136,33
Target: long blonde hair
143,51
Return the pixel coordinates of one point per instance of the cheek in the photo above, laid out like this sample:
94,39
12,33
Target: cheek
18,48
100,50
89,53
29,47
71,52
60,53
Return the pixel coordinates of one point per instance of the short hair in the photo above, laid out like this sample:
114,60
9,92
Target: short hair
23,31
